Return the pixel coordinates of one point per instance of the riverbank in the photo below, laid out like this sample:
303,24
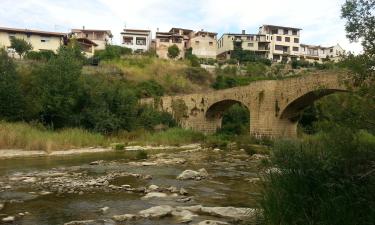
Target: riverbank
19,153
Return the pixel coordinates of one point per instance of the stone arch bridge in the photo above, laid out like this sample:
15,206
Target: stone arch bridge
274,105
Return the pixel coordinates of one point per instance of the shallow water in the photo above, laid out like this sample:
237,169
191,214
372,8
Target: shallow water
226,187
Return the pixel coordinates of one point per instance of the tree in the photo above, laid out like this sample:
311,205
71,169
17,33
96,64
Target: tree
56,85
21,46
11,98
173,51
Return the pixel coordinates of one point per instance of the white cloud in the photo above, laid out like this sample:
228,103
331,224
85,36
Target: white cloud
319,19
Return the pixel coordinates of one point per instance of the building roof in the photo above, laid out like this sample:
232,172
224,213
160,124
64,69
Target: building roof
176,28
92,30
314,46
17,30
168,34
282,27
135,30
206,32
86,41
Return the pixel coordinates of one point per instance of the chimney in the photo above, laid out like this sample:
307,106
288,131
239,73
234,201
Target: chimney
202,30
243,32
157,29
83,27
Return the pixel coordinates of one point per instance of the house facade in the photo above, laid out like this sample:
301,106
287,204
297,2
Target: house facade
203,44
257,43
317,53
137,40
40,40
284,42
100,37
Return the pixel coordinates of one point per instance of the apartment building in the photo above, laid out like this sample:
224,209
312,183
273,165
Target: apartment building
137,40
100,37
40,40
203,44
284,42
317,53
257,43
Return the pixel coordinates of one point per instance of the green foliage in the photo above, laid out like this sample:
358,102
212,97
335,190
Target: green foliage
223,82
317,180
112,52
180,109
141,155
256,69
173,51
207,61
236,121
218,140
243,56
41,55
150,119
296,64
11,98
118,146
198,75
55,89
149,88
20,46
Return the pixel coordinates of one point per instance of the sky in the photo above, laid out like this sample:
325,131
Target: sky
319,19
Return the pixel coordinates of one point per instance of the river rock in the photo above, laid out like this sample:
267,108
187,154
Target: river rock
81,222
183,191
183,216
104,210
212,222
154,195
1,206
156,211
191,174
229,212
8,219
153,187
125,217
30,180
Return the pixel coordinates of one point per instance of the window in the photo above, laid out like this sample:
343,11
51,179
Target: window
279,47
128,40
286,31
278,38
211,43
250,44
87,35
274,31
295,49
12,35
331,50
196,42
294,32
44,39
296,40
164,40
287,39
140,41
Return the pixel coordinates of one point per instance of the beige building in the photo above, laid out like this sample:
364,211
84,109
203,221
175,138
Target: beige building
137,40
317,53
203,44
100,37
164,40
284,42
40,40
257,43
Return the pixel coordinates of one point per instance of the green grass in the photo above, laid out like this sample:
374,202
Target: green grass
25,136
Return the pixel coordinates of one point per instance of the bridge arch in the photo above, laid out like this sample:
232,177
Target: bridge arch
215,112
293,109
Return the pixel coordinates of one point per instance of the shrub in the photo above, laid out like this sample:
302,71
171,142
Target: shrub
112,52
173,51
235,120
141,155
197,75
118,146
20,45
256,69
149,118
149,88
41,55
319,179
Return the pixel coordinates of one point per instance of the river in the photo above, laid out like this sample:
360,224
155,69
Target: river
56,190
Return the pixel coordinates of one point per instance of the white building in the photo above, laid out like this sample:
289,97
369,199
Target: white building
137,40
317,53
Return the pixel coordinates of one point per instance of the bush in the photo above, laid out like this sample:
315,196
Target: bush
256,69
112,52
173,51
235,121
141,155
326,180
20,45
41,55
149,88
198,75
118,146
150,119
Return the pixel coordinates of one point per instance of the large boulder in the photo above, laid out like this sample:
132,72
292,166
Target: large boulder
154,195
183,216
192,174
228,212
8,219
156,211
